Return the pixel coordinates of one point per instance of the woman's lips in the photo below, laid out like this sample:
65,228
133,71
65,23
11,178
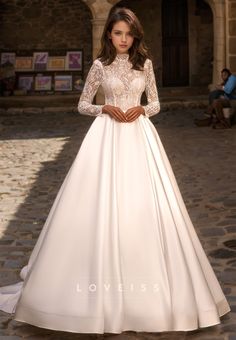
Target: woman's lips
123,45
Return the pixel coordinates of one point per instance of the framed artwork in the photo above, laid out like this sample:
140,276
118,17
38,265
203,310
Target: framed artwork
24,63
74,60
25,82
63,83
40,61
78,83
43,83
56,63
8,58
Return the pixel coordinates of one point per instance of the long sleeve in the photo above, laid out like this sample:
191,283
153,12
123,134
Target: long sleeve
153,106
93,80
230,86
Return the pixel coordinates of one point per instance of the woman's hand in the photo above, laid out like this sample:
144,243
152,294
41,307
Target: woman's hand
133,113
114,112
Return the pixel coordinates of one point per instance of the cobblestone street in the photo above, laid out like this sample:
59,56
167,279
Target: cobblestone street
36,154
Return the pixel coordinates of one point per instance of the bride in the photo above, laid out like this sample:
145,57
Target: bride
118,250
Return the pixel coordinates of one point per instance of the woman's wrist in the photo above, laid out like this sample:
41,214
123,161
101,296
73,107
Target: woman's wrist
104,109
142,110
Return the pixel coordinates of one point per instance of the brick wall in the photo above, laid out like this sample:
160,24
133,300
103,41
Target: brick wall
41,24
200,42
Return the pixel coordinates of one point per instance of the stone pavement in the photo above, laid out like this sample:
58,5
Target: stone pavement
37,150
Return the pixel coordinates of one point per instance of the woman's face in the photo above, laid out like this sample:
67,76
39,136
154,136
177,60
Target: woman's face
121,37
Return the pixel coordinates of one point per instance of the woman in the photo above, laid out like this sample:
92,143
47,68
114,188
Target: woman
118,250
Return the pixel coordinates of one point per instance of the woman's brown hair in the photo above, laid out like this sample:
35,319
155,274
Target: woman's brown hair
138,52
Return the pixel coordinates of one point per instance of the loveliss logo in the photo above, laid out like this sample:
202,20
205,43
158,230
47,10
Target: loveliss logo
108,287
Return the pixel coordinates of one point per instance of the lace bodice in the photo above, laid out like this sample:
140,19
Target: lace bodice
122,86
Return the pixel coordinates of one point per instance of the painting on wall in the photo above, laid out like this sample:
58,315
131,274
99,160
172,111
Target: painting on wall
56,63
8,58
40,61
24,64
63,83
50,70
25,82
74,60
43,83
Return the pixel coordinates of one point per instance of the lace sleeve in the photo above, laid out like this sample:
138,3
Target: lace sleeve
153,106
93,80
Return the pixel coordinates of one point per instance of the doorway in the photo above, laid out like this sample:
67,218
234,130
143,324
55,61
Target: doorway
175,45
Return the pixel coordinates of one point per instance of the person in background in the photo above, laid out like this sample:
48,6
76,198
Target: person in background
217,91
218,100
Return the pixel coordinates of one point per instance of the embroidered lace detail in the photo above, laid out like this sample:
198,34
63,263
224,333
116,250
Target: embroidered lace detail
91,85
123,86
122,56
153,106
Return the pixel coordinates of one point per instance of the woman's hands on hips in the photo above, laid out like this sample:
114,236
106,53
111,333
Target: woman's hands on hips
129,116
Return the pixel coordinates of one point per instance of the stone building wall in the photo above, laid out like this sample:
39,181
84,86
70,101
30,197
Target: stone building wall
68,24
42,24
200,42
231,34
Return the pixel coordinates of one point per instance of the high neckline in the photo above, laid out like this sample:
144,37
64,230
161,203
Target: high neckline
122,56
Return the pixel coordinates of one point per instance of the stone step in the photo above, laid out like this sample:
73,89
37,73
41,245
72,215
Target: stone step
165,106
166,95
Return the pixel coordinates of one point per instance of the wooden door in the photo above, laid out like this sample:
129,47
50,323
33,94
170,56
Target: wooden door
175,52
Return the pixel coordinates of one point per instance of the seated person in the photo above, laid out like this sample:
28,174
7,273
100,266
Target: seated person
219,99
217,91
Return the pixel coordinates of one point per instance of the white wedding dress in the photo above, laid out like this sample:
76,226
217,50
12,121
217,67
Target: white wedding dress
118,250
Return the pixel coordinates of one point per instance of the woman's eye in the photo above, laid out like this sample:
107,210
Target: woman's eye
129,34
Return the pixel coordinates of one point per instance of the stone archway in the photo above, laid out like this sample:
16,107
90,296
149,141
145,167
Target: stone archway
219,53
100,10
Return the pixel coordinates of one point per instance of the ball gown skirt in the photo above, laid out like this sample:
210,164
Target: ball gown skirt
118,250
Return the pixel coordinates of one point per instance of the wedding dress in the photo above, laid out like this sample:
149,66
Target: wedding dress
118,250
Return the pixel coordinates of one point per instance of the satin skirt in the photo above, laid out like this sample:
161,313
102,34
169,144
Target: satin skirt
118,250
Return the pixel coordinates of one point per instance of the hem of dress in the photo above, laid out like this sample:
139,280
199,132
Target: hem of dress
93,324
